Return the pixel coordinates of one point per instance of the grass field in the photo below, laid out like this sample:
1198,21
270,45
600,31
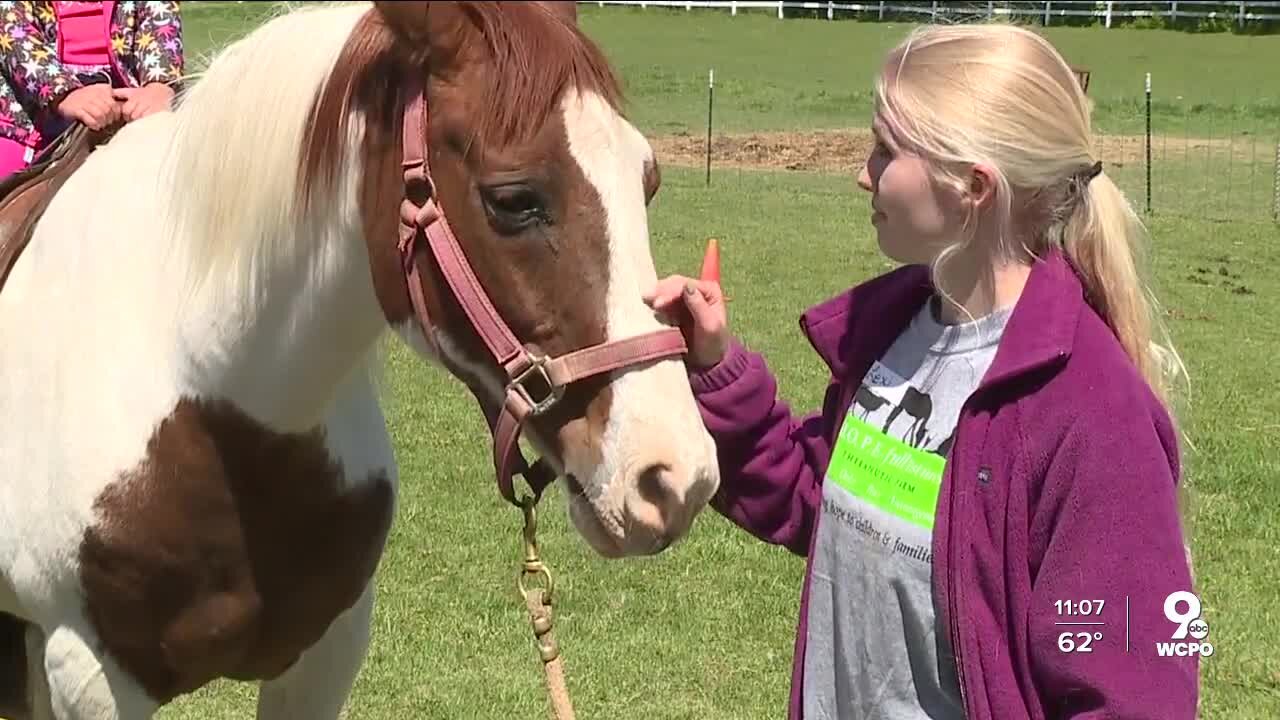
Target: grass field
814,73
706,630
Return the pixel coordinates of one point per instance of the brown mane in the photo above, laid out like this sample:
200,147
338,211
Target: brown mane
540,53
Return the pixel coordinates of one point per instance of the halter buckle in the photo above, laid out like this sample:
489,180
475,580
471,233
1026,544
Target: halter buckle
544,395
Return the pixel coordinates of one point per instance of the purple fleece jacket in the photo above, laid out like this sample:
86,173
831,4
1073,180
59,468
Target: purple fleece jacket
1061,486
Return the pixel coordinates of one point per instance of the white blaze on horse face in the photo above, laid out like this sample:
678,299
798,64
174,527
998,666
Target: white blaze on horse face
658,464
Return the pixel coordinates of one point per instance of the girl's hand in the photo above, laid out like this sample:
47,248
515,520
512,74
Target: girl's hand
91,105
698,307
140,102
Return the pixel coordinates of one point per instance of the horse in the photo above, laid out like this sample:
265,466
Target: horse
196,478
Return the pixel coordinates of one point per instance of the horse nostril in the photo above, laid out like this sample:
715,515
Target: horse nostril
662,542
653,485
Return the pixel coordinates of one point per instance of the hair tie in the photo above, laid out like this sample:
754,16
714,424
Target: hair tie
1093,171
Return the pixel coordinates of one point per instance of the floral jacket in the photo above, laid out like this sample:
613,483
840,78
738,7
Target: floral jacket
146,47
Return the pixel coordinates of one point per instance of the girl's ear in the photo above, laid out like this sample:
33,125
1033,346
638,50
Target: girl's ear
981,191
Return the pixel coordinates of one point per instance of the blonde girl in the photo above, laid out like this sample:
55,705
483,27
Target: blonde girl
995,454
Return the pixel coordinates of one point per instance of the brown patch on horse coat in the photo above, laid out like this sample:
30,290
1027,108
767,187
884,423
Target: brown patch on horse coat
227,551
493,74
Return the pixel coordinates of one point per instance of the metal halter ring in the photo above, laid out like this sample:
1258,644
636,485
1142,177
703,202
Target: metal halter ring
550,392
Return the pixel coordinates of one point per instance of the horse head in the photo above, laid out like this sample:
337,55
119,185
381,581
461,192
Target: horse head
542,183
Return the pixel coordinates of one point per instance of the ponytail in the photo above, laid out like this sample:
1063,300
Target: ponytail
1104,239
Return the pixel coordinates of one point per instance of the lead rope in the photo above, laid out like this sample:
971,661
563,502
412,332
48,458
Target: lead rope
538,601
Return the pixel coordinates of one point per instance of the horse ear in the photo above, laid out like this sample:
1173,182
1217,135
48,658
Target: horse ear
566,10
429,28
407,19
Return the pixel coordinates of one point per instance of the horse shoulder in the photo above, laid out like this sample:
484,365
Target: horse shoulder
231,547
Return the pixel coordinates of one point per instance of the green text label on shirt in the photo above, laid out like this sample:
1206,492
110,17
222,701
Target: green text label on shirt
886,472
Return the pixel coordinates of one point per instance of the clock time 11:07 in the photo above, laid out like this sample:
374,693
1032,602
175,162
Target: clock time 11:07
1079,607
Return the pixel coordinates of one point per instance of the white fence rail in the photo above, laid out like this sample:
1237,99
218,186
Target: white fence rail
1242,13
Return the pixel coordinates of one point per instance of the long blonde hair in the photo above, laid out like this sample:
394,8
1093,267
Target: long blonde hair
1002,96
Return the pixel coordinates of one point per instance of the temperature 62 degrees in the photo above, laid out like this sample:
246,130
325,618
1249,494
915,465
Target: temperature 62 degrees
1080,642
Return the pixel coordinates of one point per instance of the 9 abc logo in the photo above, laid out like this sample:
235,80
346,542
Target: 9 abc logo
1189,624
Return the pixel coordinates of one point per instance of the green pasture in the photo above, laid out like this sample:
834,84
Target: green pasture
705,630
815,73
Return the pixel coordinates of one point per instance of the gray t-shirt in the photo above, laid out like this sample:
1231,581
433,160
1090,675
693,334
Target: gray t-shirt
875,648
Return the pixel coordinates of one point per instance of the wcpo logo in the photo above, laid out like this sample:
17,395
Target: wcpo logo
1190,625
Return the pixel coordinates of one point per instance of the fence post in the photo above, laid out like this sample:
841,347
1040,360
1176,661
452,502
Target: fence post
1275,201
711,96
733,8
882,9
1109,7
831,11
1046,13
779,9
1240,18
1148,143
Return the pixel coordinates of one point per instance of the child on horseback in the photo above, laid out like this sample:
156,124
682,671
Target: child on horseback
98,63
995,444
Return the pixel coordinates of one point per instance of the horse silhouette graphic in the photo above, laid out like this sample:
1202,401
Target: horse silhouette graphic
920,408
917,405
869,401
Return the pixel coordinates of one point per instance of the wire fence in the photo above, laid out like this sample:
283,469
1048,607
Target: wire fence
1245,16
1175,160
1221,165
1223,178
1171,155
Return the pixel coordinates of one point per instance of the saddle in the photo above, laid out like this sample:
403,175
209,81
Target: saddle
26,194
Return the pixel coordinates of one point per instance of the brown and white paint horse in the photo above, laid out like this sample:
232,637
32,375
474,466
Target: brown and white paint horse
196,480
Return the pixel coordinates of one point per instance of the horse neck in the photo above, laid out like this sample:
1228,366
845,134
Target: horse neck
283,330
281,354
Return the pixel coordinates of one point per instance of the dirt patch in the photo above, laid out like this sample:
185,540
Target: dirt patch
844,151
832,151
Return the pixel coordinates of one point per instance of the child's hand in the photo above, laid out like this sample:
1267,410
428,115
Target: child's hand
140,102
92,105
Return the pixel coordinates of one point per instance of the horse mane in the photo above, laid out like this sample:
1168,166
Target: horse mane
230,183
279,111
539,53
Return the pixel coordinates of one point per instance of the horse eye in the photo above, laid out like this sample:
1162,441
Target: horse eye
513,207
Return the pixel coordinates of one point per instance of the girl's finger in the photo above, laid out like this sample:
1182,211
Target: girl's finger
666,291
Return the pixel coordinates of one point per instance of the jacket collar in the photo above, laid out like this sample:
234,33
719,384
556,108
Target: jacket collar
852,329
